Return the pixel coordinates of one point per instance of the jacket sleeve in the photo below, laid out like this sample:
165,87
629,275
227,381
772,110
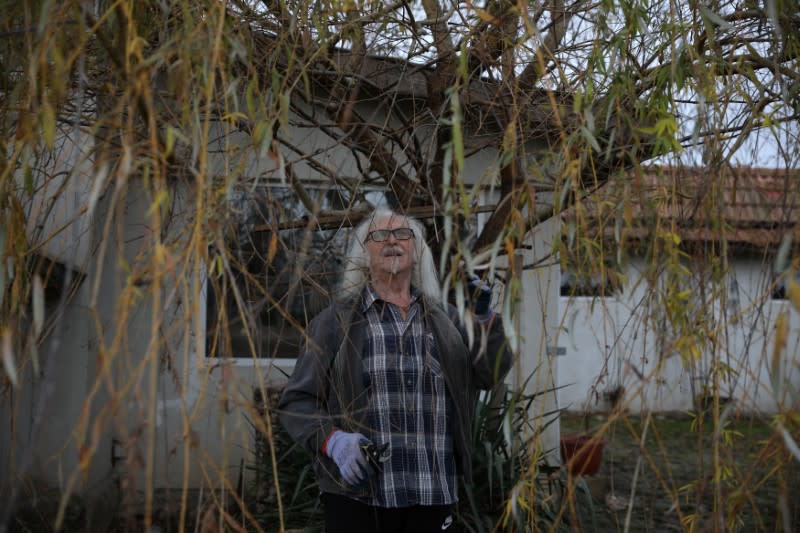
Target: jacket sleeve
490,354
303,407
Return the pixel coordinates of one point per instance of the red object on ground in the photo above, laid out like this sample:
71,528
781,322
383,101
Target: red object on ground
582,454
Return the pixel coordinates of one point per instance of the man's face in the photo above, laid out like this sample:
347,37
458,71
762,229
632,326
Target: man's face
393,255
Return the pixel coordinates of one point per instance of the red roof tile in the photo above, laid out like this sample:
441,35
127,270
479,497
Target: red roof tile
753,206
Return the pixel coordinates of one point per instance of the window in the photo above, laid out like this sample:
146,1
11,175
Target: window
266,285
603,282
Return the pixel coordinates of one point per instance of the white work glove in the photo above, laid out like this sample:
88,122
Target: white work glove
345,450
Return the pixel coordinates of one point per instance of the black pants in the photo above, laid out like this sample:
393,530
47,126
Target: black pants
343,515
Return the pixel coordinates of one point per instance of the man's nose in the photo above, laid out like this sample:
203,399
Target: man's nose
391,237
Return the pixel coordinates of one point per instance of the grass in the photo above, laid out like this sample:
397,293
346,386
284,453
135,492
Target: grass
679,485
747,482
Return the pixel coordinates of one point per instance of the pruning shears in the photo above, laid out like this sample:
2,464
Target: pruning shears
376,455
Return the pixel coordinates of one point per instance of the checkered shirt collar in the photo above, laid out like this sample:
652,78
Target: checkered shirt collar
369,296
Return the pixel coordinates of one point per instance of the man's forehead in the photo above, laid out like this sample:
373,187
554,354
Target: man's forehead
392,222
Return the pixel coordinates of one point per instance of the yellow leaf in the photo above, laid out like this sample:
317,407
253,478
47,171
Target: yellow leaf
627,213
84,458
794,293
486,16
509,246
161,199
781,331
273,247
170,144
695,352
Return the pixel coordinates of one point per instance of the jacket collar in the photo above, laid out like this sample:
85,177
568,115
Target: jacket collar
369,297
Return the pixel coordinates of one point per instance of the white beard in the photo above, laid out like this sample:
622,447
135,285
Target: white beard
393,265
394,260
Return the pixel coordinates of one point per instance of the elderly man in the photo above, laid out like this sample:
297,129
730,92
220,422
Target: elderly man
384,390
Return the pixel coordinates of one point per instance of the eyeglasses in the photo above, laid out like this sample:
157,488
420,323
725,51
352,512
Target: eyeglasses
380,235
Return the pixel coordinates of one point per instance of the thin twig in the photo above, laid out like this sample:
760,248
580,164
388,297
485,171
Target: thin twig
636,474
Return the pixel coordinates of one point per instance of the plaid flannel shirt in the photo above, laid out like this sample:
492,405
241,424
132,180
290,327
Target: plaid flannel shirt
408,407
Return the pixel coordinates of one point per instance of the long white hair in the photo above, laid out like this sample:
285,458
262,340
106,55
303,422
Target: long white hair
356,269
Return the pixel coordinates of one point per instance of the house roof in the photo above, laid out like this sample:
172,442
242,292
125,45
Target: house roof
484,103
749,206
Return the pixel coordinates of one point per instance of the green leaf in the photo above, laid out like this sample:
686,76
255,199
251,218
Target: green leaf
48,118
28,178
589,136
249,97
457,133
562,197
43,17
170,144
263,138
284,100
782,257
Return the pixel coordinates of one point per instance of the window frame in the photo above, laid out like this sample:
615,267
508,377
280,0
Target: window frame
281,358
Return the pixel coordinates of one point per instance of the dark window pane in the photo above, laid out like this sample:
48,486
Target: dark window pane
276,281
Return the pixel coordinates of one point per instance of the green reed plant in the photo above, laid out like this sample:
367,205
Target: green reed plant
300,492
508,459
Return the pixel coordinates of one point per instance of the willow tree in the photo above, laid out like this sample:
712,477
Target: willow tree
156,90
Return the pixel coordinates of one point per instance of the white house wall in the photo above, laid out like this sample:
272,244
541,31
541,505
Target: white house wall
231,151
536,368
47,405
194,406
56,213
610,342
37,444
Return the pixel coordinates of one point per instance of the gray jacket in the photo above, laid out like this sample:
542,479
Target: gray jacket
311,407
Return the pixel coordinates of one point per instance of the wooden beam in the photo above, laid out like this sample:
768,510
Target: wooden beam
350,219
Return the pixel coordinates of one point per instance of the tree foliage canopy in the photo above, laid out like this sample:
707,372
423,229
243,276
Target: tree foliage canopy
605,85
399,97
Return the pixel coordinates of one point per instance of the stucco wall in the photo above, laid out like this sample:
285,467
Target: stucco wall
613,341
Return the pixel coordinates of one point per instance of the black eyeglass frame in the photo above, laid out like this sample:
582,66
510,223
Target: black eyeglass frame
387,232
